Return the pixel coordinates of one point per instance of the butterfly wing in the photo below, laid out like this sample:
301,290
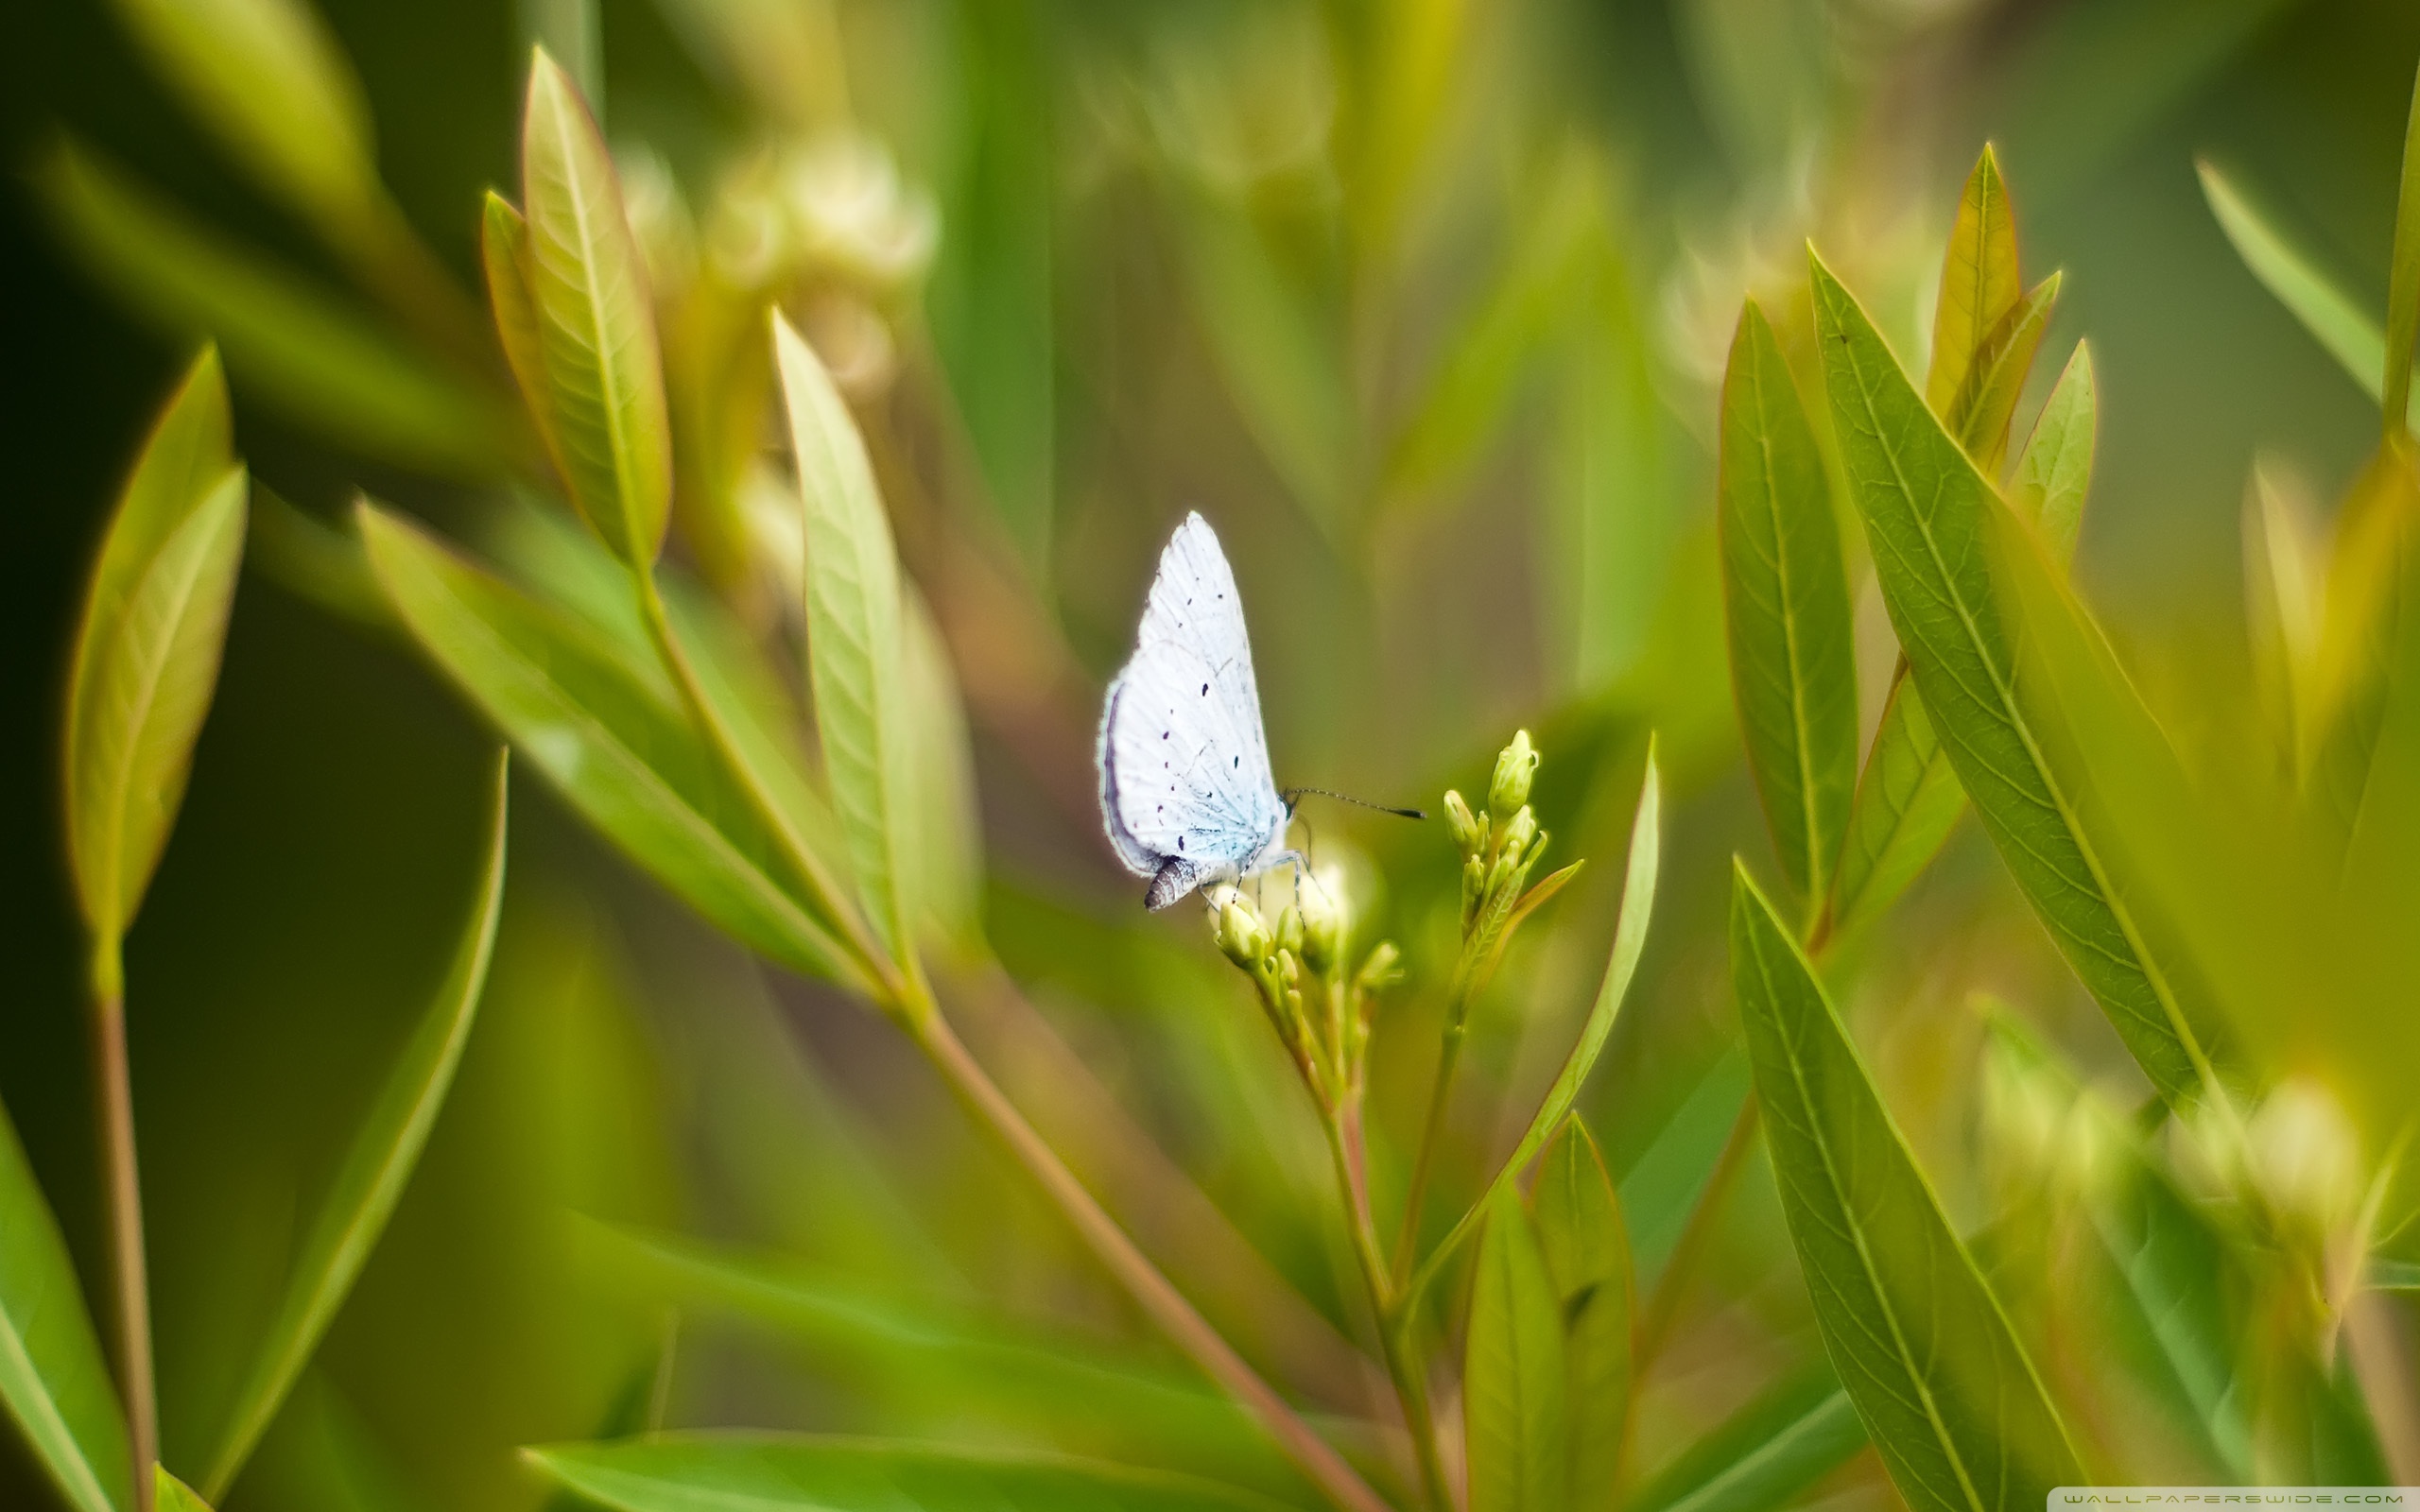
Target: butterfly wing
1184,759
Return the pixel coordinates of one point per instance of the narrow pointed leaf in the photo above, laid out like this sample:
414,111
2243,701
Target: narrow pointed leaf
607,730
503,260
1929,517
1785,607
1907,801
1978,415
1980,281
53,1379
2333,317
1630,939
1765,1456
168,1494
147,655
2403,279
774,1472
854,629
2055,472
292,345
603,399
374,1175
1926,1355
1587,1254
1514,1372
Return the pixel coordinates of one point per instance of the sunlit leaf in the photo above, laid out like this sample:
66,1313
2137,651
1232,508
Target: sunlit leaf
1587,1255
1630,938
503,261
1786,602
168,1494
1765,1456
854,629
1907,801
770,1473
2403,280
1514,1372
1921,1343
1981,411
146,654
2055,472
294,346
1980,283
603,395
1929,515
2331,315
610,734
374,1174
52,1375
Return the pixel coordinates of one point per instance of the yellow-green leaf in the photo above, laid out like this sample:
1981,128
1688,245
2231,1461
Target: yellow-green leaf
603,394
52,1376
146,654
1979,414
504,259
1907,801
375,1169
854,629
2055,472
1980,283
293,346
1928,515
1929,1358
168,1494
1514,1386
1587,1254
608,729
2331,315
1785,607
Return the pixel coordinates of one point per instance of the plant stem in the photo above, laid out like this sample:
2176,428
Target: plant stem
116,1105
1449,1053
1404,1367
1150,1290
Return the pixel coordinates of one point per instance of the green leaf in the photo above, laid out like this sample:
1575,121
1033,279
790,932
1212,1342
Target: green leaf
270,81
853,630
1928,1356
1765,1456
52,1374
610,732
1980,414
1587,1255
1907,801
2395,1275
2171,1267
146,654
947,855
375,1169
503,261
2055,472
2403,281
1786,602
2331,315
1930,516
603,395
300,350
773,1472
1979,282
1514,1372
1630,938
168,1494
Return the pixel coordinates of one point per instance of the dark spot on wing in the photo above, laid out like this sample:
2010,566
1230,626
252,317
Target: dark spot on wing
1236,762
1205,690
1180,842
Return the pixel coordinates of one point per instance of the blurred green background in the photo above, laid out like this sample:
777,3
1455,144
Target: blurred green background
1424,305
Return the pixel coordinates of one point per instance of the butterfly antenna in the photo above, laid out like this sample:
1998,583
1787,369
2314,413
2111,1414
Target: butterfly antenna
1292,793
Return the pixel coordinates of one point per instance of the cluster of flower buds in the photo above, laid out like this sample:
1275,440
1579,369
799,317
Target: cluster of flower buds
1317,998
1500,847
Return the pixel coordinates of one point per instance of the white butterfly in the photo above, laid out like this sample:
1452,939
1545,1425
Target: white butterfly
1186,790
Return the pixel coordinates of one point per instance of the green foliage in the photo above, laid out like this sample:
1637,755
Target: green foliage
680,1472
1514,1376
1785,601
1587,1255
1765,1456
168,1494
2055,472
52,1376
147,653
1925,1351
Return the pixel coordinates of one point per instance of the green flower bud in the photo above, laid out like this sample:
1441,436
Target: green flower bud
1289,930
1517,835
1324,921
1469,830
1473,888
1382,970
1239,935
1514,766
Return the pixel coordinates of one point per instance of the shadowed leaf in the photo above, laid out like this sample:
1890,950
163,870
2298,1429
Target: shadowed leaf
2403,279
1587,1255
1920,1343
52,1376
1979,282
1513,1384
1765,1456
1979,414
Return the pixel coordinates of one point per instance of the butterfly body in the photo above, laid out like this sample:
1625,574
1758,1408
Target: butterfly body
1186,790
